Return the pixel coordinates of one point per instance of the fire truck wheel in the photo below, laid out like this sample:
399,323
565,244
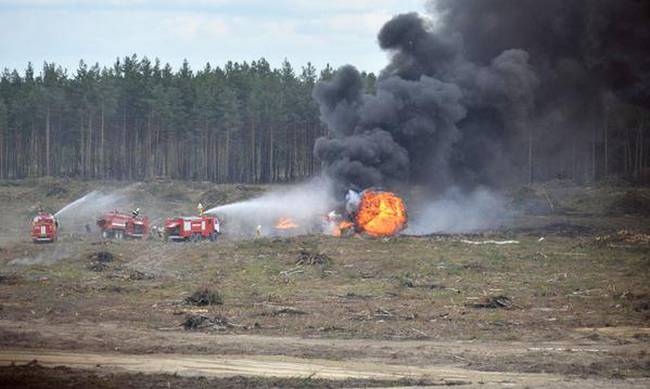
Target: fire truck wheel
213,236
119,235
194,238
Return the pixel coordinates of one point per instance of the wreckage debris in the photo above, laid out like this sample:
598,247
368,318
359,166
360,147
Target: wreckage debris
204,297
493,302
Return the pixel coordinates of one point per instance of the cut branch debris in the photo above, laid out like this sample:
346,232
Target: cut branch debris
492,302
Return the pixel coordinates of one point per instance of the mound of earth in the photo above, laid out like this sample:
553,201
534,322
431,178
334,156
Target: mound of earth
632,202
531,201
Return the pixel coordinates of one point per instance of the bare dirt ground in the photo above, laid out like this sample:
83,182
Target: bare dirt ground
568,310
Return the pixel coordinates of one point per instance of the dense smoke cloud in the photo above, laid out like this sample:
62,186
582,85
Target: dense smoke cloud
462,97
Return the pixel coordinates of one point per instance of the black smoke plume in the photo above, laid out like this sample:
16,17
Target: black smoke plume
472,85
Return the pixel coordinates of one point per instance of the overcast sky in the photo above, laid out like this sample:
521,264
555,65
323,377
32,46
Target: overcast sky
321,31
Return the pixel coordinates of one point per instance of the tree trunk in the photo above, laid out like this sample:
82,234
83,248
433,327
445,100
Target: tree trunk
47,143
82,146
593,154
606,141
123,164
91,154
530,156
102,165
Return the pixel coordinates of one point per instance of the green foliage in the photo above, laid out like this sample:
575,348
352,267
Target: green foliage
139,119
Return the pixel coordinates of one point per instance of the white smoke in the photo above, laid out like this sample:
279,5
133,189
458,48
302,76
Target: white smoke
51,255
81,214
352,201
305,204
457,212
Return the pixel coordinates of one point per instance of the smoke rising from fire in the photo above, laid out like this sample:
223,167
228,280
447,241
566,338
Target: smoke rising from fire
462,97
458,212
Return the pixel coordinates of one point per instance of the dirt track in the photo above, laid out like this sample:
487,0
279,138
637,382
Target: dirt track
437,362
268,366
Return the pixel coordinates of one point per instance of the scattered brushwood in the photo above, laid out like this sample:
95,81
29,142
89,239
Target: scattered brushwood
137,275
306,257
288,273
640,302
101,256
204,297
201,322
493,302
131,275
383,314
276,310
624,238
8,279
408,280
97,267
283,311
195,322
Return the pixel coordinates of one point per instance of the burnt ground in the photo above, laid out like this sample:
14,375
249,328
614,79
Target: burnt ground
571,308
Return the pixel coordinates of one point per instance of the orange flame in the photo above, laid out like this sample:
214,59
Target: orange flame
285,223
342,226
381,213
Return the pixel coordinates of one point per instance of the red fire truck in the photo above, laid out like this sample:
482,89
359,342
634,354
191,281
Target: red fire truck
119,226
192,228
44,228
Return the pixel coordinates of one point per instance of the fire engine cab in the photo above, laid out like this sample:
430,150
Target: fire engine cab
44,228
119,226
192,228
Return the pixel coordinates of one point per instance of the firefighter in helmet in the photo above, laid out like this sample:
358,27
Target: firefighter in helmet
136,212
200,208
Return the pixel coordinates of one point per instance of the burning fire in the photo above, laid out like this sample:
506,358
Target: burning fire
341,227
285,223
381,213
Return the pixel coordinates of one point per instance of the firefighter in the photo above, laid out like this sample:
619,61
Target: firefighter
200,208
136,212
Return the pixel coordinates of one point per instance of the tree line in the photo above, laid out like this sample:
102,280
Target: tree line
139,119
243,122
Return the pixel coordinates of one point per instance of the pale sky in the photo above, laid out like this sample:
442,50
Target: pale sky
215,31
